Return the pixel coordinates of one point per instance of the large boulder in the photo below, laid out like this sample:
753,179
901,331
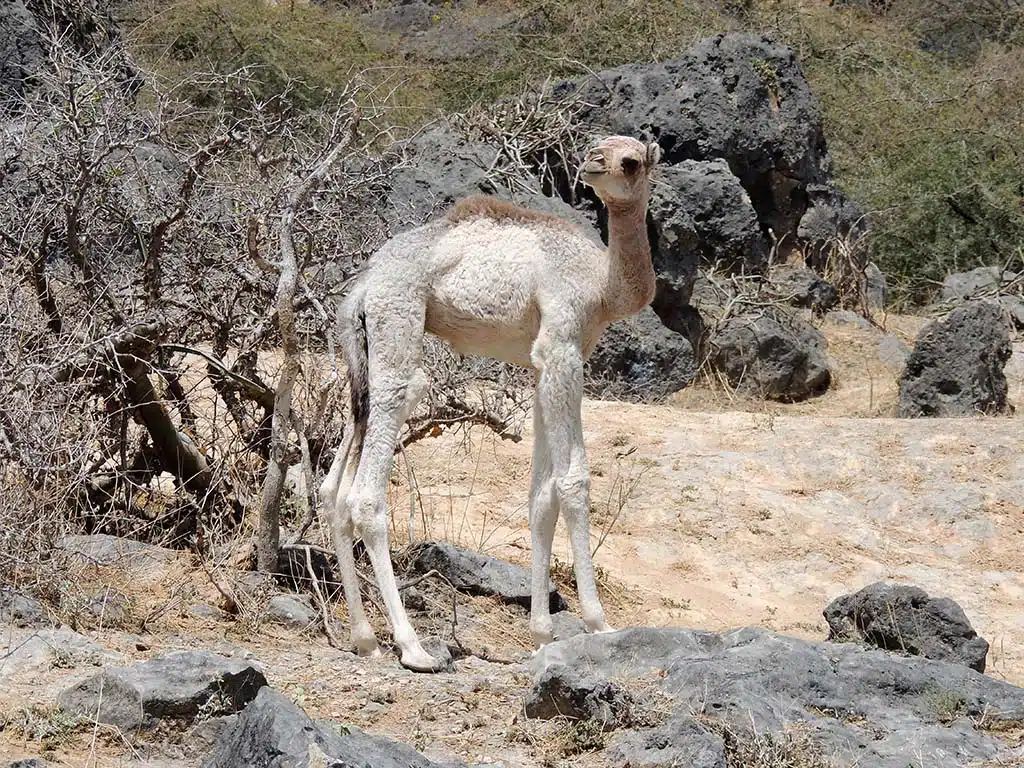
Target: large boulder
772,354
700,216
726,231
733,96
854,706
956,367
639,359
272,732
478,574
898,617
177,686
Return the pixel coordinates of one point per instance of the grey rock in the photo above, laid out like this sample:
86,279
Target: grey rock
28,762
830,218
802,287
956,367
109,608
294,611
961,286
478,574
177,686
680,742
732,96
145,562
22,52
860,706
34,650
442,654
724,221
846,317
899,617
1014,308
876,287
22,610
564,625
892,351
207,611
272,732
771,354
561,691
701,216
639,359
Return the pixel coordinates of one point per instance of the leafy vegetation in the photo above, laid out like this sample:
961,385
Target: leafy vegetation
923,100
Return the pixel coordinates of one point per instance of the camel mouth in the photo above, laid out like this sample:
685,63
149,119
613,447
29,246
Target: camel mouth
593,170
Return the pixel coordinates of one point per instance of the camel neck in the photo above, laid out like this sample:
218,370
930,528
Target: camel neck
631,276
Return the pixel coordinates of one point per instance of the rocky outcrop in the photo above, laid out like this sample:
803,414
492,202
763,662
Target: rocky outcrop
899,617
956,367
272,732
174,687
771,353
730,689
736,97
639,359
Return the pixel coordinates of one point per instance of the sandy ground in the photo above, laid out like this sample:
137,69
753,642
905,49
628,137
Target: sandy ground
709,512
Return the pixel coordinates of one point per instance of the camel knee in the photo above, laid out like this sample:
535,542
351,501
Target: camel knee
366,516
573,489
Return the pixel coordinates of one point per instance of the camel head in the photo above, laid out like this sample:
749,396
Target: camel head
619,169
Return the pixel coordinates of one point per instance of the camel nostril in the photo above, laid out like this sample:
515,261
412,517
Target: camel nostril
630,164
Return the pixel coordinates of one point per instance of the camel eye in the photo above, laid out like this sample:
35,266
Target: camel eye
630,165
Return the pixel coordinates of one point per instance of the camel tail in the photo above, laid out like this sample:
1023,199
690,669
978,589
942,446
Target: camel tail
355,349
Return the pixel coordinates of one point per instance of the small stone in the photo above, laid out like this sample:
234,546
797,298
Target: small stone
293,611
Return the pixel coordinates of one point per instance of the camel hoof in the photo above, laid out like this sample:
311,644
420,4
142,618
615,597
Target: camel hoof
421,661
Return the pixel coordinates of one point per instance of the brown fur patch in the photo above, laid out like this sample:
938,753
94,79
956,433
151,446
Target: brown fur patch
488,207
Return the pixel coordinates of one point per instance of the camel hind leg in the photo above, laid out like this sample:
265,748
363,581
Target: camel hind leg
397,382
333,492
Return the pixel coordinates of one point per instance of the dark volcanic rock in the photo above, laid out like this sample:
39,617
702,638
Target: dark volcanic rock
477,574
741,98
564,692
724,222
771,354
899,617
802,287
177,686
639,359
272,732
861,707
830,217
956,367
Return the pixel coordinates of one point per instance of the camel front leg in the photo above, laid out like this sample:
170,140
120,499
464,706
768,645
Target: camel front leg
543,518
559,403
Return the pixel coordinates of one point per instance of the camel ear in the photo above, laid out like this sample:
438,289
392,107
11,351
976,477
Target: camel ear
653,154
